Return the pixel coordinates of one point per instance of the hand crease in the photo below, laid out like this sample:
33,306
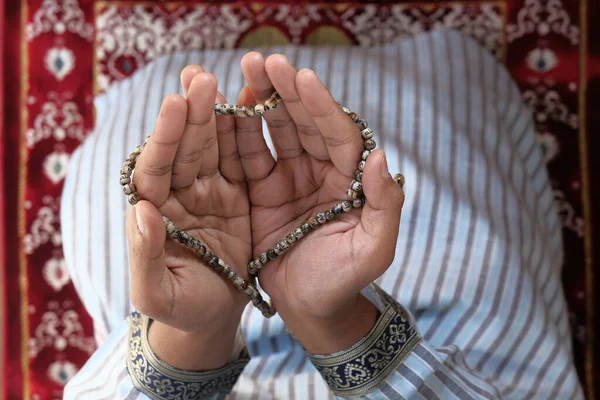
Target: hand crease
289,154
201,122
232,155
334,141
210,142
278,123
189,158
247,130
308,130
249,155
156,257
208,175
328,113
293,100
154,138
157,170
224,233
227,130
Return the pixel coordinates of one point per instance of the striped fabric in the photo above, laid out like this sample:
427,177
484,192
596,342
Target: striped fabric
479,252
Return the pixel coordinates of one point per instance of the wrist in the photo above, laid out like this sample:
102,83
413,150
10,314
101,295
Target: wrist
336,332
196,351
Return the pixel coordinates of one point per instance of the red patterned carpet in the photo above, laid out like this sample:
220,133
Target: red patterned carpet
59,53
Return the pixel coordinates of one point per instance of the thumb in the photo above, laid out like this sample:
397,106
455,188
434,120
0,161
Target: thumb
146,237
380,218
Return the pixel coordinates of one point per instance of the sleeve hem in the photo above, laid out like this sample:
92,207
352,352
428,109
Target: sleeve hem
160,381
366,365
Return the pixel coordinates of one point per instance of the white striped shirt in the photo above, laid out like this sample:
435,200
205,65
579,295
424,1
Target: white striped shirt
479,253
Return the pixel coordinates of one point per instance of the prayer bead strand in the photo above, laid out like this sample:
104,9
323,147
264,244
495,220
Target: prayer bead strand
354,199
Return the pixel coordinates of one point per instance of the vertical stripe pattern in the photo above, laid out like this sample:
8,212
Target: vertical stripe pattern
479,251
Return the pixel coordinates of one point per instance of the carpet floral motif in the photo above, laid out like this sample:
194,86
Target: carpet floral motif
77,48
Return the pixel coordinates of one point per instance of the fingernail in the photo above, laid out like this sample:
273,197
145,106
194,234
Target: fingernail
385,173
286,59
317,76
311,72
140,221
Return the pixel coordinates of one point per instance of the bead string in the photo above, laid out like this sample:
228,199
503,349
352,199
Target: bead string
354,199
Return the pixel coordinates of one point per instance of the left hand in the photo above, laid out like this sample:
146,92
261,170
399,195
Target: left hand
190,173
318,146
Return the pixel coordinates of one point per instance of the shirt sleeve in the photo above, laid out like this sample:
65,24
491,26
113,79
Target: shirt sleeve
125,367
393,362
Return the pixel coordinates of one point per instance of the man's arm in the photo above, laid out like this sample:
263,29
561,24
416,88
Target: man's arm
126,365
391,360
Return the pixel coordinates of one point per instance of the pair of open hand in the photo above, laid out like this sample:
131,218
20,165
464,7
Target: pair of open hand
216,178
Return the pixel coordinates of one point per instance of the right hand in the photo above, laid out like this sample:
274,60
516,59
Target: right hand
318,149
190,172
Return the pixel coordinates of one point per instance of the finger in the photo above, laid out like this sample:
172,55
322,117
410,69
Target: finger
187,74
210,149
230,165
283,76
380,218
198,148
281,125
255,155
342,136
154,166
146,240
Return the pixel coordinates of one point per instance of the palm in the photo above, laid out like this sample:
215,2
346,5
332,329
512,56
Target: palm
217,213
318,148
185,173
296,190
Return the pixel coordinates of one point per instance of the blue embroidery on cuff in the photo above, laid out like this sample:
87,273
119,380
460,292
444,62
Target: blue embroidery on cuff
365,366
160,381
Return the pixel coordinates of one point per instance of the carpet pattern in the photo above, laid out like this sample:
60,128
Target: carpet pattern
70,50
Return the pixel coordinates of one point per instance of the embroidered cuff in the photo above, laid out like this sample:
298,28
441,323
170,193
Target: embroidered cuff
365,366
160,381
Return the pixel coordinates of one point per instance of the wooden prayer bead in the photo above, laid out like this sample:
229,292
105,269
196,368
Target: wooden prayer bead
263,258
338,209
356,186
351,195
284,245
313,222
399,178
290,238
355,199
241,111
321,218
359,202
277,249
346,206
133,199
305,227
128,188
370,144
